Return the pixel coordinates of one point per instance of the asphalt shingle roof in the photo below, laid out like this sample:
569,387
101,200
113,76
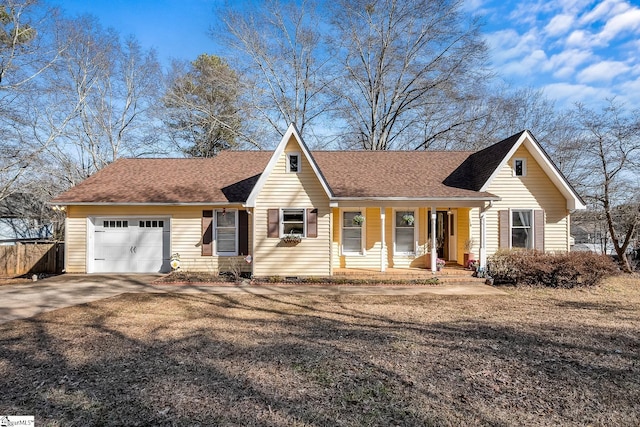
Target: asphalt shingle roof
226,178
476,169
404,174
231,176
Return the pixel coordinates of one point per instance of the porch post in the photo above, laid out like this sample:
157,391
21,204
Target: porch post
483,238
434,249
383,249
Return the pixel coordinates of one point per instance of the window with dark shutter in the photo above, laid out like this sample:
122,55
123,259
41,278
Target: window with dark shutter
226,232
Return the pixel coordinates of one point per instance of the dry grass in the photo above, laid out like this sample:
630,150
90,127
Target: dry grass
534,357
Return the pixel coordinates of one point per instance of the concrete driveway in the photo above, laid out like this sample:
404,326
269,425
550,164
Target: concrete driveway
26,300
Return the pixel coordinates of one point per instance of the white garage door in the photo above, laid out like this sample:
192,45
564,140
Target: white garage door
131,245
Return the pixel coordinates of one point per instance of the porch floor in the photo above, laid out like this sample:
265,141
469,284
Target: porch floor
452,272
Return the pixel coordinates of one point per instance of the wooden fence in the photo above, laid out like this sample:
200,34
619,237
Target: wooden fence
31,258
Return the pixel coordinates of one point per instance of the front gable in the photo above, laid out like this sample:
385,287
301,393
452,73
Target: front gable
290,144
535,158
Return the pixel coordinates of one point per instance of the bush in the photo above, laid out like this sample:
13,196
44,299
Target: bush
555,270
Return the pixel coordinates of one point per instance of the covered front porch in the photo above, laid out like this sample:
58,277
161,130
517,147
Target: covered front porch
407,237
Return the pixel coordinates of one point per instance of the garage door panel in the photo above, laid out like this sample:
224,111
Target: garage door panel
113,266
131,245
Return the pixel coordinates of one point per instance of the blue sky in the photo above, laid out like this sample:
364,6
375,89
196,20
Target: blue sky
576,50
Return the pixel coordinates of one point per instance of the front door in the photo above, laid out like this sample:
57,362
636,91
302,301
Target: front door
444,233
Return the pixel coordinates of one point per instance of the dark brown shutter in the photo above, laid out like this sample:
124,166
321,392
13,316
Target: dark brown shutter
312,222
207,233
274,223
243,233
504,233
538,225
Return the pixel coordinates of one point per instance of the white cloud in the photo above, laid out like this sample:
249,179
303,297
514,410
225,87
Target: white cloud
579,38
508,44
604,10
630,89
602,72
567,94
629,20
573,6
524,66
559,25
564,64
578,50
472,5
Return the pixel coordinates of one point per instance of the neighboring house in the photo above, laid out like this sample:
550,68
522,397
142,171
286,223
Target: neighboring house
22,219
292,212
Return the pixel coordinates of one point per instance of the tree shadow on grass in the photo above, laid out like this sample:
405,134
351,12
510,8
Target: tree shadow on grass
222,360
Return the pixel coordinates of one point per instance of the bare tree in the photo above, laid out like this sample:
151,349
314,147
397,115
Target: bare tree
283,60
27,50
609,150
404,61
111,87
202,107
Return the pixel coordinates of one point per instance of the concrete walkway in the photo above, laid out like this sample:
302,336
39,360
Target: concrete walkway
26,300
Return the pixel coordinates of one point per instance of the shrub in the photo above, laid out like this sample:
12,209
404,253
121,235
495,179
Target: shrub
555,270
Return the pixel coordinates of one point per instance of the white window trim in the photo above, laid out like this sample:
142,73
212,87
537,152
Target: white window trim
524,166
416,222
362,251
299,155
532,227
215,228
304,221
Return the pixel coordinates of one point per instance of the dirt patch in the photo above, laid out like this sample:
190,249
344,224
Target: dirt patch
534,357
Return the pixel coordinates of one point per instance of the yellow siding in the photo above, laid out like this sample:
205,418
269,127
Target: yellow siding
370,259
533,191
75,242
373,241
185,230
463,233
310,257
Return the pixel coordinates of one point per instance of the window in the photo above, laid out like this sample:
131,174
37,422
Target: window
115,224
226,232
293,222
151,224
405,231
520,167
352,232
293,162
521,233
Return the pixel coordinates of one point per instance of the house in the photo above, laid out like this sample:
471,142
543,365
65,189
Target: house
292,212
24,218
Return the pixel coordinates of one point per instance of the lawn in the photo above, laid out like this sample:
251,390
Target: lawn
534,357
